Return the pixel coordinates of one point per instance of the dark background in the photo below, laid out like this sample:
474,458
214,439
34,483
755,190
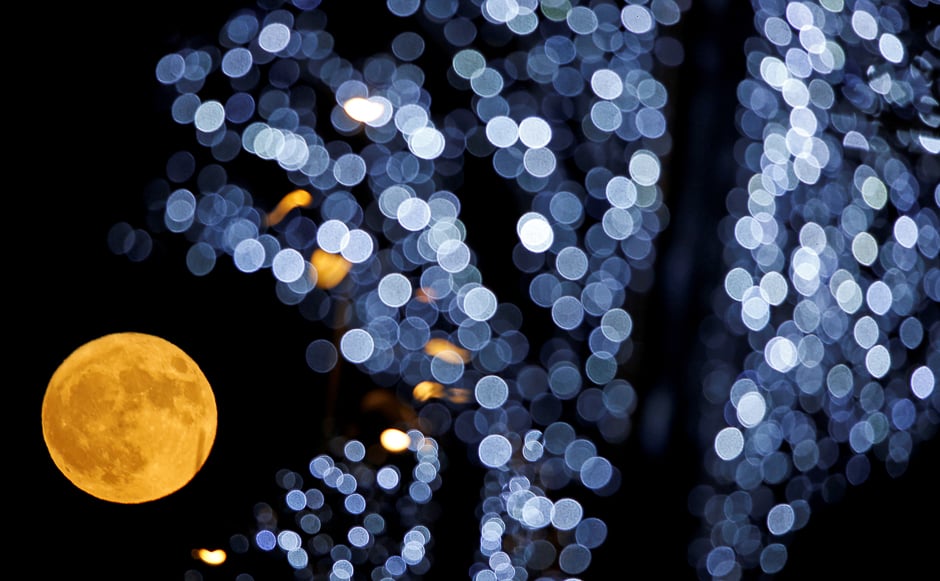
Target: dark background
91,130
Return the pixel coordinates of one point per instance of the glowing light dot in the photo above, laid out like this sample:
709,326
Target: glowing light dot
357,345
295,199
363,110
891,48
502,131
288,265
394,440
274,37
905,231
780,519
923,382
395,289
426,143
491,391
413,214
494,450
874,192
480,304
636,18
644,168
216,557
535,132
596,472
566,514
328,269
209,116
426,390
865,25
751,409
729,443
878,360
535,232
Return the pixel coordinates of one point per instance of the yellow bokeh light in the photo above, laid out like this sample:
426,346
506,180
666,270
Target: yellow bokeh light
446,350
425,295
458,395
363,110
216,557
427,389
295,199
330,268
395,440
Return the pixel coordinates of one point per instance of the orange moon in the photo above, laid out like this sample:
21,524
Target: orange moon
129,418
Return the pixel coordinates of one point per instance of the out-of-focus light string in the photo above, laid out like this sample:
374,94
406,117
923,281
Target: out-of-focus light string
831,253
832,277
395,316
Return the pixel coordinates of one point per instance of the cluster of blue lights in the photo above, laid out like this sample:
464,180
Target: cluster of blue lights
830,252
831,246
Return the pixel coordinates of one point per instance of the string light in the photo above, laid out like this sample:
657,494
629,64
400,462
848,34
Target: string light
831,250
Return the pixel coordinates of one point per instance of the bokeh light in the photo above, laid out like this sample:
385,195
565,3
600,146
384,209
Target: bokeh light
822,347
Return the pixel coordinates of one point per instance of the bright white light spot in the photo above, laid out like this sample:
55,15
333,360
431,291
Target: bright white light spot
866,332
606,84
751,409
874,192
922,382
879,297
878,361
426,143
274,37
331,236
209,116
596,472
491,391
535,232
288,265
891,48
394,290
566,514
644,167
729,443
363,110
502,131
357,345
537,512
637,19
774,287
781,354
737,281
357,246
249,255
780,519
905,231
409,118
535,132
480,304
865,25
453,255
849,296
865,248
621,192
413,214
494,451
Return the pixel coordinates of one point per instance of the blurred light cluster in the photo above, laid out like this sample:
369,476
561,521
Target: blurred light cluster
831,244
370,242
363,517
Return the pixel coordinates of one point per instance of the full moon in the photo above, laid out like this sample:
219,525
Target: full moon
129,418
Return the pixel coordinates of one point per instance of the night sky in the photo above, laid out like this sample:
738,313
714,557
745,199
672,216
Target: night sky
93,130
